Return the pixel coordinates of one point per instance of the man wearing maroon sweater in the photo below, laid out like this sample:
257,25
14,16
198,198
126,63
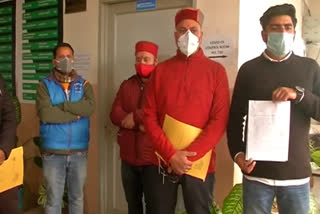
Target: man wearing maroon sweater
194,90
135,146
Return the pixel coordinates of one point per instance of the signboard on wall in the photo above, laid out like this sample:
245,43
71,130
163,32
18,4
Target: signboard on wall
7,44
218,48
311,29
142,5
42,31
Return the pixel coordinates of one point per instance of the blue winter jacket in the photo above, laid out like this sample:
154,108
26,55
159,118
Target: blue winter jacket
65,136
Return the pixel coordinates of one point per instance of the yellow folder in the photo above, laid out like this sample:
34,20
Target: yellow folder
11,170
181,135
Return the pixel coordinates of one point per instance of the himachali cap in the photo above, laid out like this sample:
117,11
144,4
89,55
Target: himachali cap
189,13
148,47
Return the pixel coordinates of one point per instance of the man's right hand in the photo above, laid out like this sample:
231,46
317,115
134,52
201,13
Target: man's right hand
245,165
141,128
284,94
179,162
2,156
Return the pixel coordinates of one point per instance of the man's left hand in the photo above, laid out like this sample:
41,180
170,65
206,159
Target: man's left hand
284,94
128,121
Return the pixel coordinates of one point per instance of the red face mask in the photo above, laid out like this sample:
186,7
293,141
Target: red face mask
144,70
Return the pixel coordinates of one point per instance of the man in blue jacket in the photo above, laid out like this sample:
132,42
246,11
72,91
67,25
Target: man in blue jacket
64,103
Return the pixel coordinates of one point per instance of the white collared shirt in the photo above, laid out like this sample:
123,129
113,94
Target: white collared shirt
275,60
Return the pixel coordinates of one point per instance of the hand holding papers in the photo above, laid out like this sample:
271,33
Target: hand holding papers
11,170
181,136
268,131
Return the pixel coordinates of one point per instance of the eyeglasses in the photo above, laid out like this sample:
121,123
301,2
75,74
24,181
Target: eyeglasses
171,177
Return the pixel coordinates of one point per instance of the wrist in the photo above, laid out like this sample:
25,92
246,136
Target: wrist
3,155
239,160
300,94
237,155
172,156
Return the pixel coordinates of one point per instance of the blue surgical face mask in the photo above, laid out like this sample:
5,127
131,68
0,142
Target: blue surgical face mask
280,44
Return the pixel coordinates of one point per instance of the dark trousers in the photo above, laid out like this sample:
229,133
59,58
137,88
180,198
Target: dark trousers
9,202
133,187
161,193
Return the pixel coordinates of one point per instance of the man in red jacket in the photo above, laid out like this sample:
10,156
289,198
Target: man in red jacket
135,147
194,90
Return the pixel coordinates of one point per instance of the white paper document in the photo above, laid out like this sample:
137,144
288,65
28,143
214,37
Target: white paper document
268,131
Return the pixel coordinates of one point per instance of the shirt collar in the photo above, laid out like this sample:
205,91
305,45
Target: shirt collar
274,60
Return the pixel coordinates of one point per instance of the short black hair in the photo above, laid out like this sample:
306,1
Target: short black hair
278,10
60,45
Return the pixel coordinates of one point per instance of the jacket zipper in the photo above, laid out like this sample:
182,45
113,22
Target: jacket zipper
67,94
186,73
70,130
141,89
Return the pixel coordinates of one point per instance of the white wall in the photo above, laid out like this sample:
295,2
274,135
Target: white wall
313,48
314,6
81,31
250,41
221,19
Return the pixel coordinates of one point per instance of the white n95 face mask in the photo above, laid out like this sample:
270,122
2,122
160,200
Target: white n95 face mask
280,44
188,43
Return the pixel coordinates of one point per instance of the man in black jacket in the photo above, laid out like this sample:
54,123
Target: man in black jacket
278,75
8,125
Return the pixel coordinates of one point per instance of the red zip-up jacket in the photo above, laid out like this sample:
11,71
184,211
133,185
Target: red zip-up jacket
193,90
135,146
